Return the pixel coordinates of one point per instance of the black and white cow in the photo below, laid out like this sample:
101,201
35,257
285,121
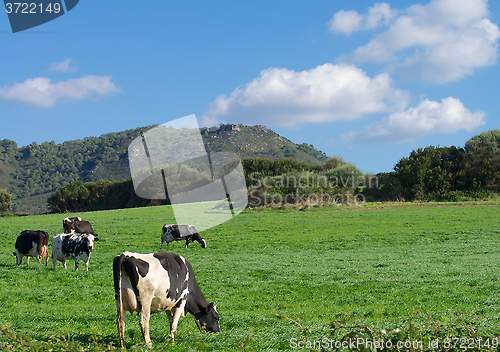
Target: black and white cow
77,225
179,233
72,246
32,244
156,282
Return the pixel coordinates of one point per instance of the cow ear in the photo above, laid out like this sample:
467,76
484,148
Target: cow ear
96,239
211,306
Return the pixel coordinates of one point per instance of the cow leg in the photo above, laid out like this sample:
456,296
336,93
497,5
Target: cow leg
39,258
144,321
87,265
28,260
177,314
64,263
170,316
45,254
77,262
19,258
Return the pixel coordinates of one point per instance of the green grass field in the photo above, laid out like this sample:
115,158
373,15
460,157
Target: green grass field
279,279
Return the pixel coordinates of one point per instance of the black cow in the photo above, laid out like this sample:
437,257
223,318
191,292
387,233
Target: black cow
77,225
68,224
179,233
156,282
72,246
32,244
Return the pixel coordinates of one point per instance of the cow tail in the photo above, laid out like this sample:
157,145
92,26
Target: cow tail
41,239
117,277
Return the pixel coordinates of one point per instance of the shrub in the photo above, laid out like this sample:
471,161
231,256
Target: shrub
5,201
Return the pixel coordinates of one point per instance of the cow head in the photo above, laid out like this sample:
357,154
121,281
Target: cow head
197,237
203,244
208,320
90,241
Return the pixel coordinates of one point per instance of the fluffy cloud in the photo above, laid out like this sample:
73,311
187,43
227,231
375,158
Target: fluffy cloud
347,22
327,93
63,66
42,92
442,41
429,117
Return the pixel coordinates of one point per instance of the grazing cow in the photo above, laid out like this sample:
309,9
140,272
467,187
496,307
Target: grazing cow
72,246
32,244
179,233
156,282
77,225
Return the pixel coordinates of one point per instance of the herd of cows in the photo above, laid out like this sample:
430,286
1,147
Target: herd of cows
143,283
76,243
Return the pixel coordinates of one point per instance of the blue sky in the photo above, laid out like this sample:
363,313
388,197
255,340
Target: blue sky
365,80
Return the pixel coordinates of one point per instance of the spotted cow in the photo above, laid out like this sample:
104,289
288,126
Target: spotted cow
72,246
32,244
156,282
181,232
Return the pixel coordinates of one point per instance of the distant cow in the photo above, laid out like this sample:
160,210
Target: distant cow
181,232
156,282
32,244
72,246
77,225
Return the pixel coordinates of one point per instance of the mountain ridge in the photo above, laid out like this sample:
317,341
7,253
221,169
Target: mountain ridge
31,173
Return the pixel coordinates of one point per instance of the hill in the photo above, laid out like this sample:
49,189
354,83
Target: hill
258,141
32,172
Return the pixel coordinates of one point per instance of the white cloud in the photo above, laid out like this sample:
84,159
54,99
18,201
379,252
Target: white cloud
63,66
428,117
345,22
327,93
379,14
42,92
440,42
351,21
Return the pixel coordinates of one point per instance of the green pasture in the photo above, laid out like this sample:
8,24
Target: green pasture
278,277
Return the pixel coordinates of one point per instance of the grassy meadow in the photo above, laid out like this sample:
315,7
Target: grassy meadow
282,279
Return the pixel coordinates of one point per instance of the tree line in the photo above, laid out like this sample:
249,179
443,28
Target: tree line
79,196
449,173
103,195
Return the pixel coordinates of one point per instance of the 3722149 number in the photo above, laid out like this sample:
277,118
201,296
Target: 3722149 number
27,8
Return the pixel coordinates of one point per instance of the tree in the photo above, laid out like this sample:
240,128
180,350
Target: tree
333,162
432,170
72,197
483,157
5,201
